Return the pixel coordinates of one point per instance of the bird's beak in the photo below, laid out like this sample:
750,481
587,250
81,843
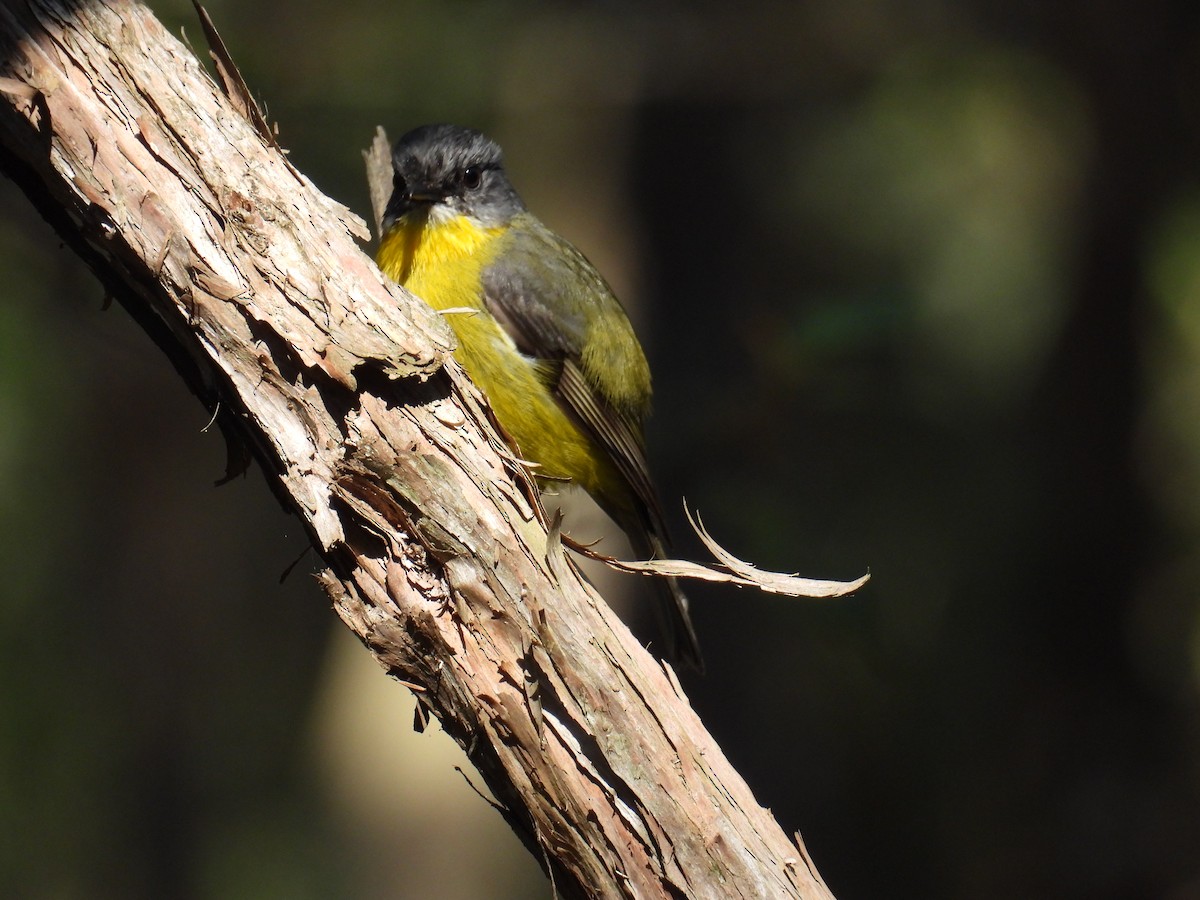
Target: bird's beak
403,202
422,194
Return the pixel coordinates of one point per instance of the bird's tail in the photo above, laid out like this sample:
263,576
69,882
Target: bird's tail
679,634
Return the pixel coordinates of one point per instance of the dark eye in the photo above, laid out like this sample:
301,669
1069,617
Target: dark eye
398,183
472,177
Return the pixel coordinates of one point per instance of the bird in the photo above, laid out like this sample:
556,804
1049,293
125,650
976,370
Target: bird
538,330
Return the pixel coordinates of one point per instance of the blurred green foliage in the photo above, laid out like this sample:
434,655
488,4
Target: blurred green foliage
921,290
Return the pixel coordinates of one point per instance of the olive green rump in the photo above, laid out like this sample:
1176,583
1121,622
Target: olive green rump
557,306
520,396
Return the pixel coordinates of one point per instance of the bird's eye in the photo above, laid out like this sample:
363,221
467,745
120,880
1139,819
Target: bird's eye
472,177
398,183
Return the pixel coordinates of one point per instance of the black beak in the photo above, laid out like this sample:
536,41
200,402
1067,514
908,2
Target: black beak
405,200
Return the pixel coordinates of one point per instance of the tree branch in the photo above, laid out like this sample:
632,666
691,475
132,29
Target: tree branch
344,388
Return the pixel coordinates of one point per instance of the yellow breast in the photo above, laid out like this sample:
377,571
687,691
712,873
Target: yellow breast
439,259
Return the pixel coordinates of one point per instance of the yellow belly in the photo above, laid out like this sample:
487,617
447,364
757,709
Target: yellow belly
443,264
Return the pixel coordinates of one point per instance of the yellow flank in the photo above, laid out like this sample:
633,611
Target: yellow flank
442,262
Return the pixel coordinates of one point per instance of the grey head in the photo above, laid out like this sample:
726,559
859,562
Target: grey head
450,169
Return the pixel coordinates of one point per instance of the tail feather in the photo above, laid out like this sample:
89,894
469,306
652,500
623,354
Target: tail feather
679,633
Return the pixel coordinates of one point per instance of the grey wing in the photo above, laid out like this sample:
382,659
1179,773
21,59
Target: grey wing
545,293
540,290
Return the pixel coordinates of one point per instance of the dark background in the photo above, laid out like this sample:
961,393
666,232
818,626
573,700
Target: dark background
920,284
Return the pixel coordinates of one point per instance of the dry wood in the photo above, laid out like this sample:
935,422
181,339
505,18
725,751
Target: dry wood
343,385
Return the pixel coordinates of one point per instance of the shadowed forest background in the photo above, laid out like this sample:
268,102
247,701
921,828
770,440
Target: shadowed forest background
920,285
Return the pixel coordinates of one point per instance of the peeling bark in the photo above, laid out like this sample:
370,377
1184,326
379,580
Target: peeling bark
343,385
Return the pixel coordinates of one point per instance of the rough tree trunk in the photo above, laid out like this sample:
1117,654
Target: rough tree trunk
343,386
